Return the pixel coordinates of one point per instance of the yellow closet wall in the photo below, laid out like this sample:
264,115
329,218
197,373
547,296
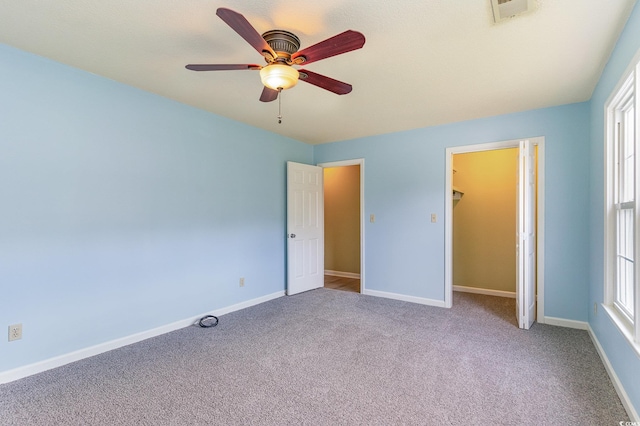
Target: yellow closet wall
484,220
342,219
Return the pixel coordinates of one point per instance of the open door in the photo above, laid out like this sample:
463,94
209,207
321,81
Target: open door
305,228
526,241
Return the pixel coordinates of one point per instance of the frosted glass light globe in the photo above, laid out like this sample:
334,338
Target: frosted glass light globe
279,76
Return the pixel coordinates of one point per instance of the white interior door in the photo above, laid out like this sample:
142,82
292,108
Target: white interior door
305,227
526,241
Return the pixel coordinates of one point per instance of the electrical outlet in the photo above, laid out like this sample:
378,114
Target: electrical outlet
15,332
241,281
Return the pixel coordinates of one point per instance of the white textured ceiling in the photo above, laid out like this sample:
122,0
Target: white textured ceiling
425,62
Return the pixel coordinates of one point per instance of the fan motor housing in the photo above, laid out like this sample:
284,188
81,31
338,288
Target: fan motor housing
284,43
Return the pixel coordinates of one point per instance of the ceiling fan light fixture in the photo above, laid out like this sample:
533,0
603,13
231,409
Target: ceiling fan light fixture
279,76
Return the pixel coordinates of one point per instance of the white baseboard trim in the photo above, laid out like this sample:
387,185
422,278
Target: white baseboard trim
561,322
243,305
405,298
341,274
624,398
485,291
58,361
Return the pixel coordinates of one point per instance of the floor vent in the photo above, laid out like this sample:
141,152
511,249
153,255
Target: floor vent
506,9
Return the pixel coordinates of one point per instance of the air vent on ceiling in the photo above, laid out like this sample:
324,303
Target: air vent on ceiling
505,9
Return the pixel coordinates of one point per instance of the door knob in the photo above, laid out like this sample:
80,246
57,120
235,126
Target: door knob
292,235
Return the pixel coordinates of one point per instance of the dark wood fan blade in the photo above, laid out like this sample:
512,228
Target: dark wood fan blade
325,82
240,25
336,45
268,95
222,67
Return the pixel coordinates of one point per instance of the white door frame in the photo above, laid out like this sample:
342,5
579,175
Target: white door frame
355,162
448,241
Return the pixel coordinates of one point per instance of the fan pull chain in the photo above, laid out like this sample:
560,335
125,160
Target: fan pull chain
279,105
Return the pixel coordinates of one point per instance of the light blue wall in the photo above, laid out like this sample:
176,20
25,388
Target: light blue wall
405,182
623,359
122,211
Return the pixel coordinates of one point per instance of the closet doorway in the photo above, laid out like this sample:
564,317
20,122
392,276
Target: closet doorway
484,222
494,223
343,225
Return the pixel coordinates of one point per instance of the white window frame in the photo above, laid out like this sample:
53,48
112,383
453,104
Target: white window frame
630,82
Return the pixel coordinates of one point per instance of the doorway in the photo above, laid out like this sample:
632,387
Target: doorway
471,277
484,222
344,225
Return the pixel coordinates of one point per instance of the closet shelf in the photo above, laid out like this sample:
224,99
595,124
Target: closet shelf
457,193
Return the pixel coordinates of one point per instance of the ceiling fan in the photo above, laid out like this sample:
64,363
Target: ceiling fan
280,51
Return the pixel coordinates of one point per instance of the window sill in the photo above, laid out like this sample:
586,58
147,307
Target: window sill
623,326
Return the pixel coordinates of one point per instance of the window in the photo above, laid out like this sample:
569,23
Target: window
622,291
